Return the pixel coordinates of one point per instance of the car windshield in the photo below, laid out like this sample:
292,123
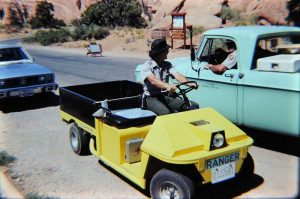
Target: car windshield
12,54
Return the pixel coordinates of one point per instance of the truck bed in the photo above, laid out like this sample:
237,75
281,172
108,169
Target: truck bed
81,101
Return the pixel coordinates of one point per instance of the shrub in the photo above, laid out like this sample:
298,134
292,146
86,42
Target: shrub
230,14
83,32
140,33
114,13
44,17
47,37
5,158
198,30
38,196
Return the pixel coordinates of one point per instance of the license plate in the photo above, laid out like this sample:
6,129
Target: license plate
224,172
25,93
222,168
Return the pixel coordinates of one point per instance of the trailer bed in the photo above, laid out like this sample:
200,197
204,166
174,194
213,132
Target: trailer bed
81,101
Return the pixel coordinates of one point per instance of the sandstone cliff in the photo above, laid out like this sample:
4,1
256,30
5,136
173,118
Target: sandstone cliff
199,12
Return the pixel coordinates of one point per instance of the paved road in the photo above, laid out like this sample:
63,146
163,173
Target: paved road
31,131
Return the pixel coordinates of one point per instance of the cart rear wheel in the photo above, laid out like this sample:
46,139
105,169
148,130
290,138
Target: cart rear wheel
79,140
169,184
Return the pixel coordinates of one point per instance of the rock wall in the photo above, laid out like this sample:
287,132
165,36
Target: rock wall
66,10
199,12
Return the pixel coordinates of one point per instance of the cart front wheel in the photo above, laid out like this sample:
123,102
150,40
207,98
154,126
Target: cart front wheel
79,140
169,184
248,167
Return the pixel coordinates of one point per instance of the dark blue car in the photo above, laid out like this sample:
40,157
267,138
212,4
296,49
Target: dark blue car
20,77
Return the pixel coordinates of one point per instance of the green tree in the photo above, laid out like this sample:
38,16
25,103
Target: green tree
18,14
114,13
294,12
44,17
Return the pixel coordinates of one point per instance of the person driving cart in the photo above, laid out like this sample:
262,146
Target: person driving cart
155,74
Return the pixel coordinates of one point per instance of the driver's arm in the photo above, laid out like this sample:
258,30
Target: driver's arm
160,84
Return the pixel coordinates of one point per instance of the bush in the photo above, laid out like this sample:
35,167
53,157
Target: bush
114,13
44,17
230,14
83,32
197,30
38,196
46,38
5,158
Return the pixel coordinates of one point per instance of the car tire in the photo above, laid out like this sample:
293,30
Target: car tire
79,140
247,167
169,184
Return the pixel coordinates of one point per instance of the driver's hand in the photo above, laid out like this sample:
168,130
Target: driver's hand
193,85
171,88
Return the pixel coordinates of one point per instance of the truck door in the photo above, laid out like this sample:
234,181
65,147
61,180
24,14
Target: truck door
219,91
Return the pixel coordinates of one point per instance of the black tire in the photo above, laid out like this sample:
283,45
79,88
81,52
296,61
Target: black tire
79,140
248,167
169,184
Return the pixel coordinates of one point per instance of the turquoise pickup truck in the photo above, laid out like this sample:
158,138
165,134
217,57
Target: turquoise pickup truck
262,90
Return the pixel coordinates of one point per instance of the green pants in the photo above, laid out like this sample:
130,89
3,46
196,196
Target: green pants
160,108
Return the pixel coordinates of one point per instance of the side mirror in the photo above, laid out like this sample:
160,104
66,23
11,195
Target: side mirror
193,56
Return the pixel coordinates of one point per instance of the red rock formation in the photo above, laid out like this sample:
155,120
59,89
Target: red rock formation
199,12
66,10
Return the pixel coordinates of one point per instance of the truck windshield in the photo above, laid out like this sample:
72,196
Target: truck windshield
12,54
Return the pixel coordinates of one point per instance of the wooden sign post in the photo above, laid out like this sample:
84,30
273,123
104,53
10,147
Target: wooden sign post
178,27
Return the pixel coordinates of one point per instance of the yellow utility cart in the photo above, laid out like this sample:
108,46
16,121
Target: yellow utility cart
167,154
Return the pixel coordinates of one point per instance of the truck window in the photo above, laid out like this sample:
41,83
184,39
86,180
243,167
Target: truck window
215,51
275,45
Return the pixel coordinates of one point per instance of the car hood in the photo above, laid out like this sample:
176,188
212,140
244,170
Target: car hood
21,70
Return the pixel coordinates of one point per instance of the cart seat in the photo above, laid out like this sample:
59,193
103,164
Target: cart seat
125,118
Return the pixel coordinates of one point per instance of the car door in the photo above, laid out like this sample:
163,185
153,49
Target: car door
219,91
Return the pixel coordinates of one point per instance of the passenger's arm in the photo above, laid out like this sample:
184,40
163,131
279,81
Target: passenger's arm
216,68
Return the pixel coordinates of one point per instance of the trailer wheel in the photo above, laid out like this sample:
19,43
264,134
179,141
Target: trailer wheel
169,184
79,140
247,167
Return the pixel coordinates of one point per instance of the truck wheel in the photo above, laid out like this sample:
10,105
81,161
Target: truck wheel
169,184
79,140
247,167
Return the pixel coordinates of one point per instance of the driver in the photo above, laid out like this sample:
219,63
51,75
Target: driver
155,73
228,63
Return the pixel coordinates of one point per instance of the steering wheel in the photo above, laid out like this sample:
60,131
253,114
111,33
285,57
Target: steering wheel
184,87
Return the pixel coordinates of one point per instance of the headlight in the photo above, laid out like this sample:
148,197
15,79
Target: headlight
48,78
218,140
45,79
2,83
42,78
